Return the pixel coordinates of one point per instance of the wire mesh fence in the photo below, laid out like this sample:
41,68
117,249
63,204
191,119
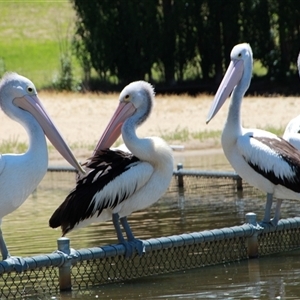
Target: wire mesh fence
80,269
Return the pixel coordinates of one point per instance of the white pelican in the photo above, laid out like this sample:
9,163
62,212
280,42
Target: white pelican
21,173
263,159
292,132
118,183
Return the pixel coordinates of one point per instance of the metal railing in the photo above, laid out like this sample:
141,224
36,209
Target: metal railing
80,269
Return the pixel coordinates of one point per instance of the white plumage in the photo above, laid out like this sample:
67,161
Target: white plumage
292,132
120,182
21,173
264,160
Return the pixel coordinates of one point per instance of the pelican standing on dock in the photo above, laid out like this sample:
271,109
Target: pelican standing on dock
21,173
263,159
118,183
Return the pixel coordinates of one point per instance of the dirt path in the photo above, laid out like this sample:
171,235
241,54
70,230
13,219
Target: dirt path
81,118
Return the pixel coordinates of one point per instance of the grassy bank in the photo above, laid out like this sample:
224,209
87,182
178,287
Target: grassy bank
32,34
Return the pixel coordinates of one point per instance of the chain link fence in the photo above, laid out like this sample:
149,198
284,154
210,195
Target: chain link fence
81,269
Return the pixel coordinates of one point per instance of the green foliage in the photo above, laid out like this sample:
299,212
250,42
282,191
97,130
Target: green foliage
29,38
65,77
13,146
166,41
172,41
117,36
259,69
278,131
206,134
180,134
38,61
2,67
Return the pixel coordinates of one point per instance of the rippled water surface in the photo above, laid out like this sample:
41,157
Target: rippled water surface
180,211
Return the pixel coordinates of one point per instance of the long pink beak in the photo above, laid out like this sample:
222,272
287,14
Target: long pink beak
114,127
231,78
33,105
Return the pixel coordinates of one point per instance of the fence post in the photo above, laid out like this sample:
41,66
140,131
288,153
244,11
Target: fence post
180,177
239,184
63,245
252,241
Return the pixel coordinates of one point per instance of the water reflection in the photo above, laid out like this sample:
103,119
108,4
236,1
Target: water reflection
183,210
274,277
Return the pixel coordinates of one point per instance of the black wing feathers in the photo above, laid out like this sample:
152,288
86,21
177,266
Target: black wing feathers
101,169
289,154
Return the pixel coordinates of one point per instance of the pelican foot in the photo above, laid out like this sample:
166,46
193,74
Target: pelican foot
274,222
18,263
258,226
133,246
271,223
139,246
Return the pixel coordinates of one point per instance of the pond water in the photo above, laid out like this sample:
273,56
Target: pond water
276,277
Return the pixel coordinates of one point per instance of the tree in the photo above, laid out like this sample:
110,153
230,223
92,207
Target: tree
124,40
118,36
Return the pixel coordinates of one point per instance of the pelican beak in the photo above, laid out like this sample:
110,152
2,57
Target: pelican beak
231,78
33,105
113,129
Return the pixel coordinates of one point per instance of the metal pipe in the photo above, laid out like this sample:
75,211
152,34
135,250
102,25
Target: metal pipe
63,246
252,241
179,175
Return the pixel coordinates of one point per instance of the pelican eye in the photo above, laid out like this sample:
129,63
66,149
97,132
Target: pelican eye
29,89
240,54
127,97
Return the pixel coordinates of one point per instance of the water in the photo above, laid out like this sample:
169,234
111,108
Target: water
276,277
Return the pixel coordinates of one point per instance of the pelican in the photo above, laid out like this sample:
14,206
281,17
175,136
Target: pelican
292,130
117,182
291,133
261,158
21,173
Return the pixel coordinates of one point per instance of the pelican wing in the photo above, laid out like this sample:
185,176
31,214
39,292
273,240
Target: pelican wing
106,185
273,158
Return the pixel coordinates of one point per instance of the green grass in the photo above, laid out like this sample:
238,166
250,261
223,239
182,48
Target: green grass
35,60
204,135
179,134
13,146
31,33
278,131
183,135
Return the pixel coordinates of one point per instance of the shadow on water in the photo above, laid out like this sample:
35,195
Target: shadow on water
181,210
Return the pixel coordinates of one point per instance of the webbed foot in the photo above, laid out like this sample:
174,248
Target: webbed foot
273,223
133,246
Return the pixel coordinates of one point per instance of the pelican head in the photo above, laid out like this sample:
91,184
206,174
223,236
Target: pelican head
17,96
241,57
135,99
